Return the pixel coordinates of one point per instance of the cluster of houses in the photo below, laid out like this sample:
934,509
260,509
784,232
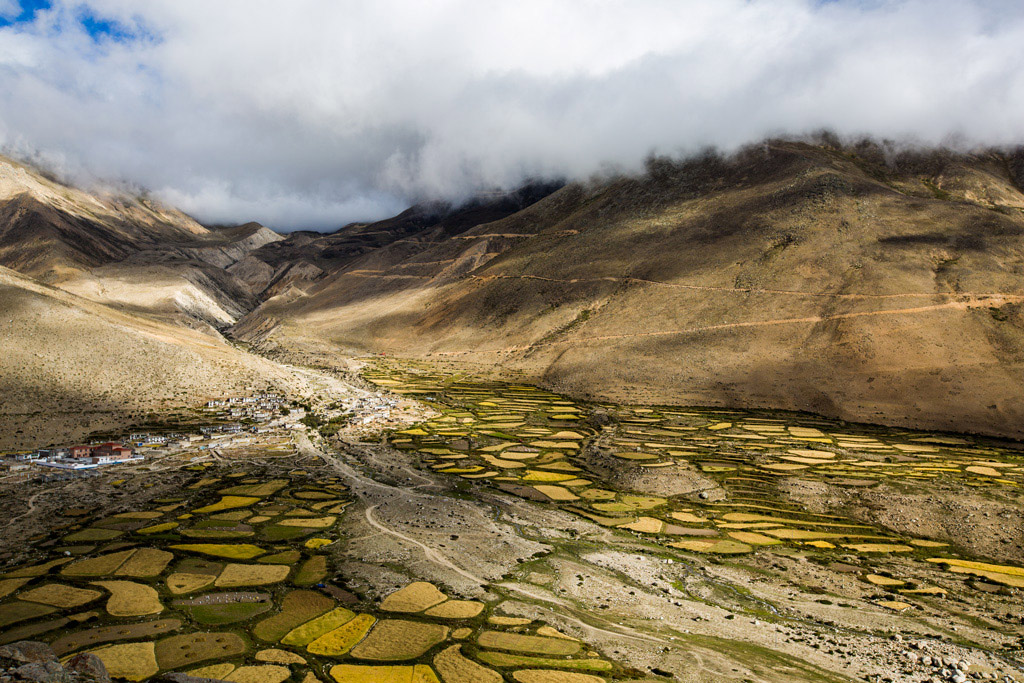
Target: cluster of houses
255,410
259,408
86,456
370,409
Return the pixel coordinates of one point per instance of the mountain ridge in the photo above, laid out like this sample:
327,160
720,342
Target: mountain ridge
864,282
790,276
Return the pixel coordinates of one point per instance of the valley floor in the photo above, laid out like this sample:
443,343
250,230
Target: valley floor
590,542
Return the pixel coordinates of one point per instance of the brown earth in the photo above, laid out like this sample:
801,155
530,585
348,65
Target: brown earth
71,366
863,283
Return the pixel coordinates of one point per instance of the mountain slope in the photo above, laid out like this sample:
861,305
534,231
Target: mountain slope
124,251
48,229
71,366
858,283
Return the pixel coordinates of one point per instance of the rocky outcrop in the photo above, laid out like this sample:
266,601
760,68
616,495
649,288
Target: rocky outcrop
29,660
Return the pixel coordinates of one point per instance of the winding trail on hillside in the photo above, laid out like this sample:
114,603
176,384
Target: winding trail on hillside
31,507
960,305
754,290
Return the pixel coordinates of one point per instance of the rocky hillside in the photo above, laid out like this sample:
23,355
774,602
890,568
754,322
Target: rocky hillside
863,283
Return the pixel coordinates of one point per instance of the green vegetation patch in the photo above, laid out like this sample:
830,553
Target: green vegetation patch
93,534
13,612
517,642
504,659
106,634
286,557
297,607
215,615
312,571
177,651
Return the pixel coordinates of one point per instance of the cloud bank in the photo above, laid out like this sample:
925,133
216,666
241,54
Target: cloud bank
312,113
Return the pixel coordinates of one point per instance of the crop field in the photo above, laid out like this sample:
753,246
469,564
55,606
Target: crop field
250,611
533,443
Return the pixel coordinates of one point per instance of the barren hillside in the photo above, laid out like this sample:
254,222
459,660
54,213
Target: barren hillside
864,284
71,366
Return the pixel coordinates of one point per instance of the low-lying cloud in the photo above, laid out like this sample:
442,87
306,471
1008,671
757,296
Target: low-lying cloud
312,113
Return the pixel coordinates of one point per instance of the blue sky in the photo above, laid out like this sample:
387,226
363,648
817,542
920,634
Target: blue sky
28,9
97,27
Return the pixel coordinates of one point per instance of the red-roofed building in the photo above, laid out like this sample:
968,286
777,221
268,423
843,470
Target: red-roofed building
111,450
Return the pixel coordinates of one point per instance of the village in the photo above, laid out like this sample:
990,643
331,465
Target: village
255,414
225,422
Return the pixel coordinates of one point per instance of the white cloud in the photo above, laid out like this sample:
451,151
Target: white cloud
312,113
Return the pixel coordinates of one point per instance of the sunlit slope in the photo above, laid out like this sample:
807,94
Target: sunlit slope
71,366
792,276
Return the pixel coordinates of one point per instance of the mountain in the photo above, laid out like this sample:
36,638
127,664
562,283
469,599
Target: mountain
72,366
124,250
866,283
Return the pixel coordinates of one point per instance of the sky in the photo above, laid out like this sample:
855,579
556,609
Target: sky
315,113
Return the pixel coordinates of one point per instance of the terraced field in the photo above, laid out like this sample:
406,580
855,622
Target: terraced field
521,536
224,581
599,462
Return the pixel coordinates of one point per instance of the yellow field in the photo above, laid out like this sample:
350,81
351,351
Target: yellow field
232,551
354,673
97,566
456,609
715,547
546,676
878,580
415,597
130,599
879,547
983,566
310,522
134,661
518,642
235,575
60,595
342,639
8,586
454,668
144,563
646,525
214,671
227,503
184,582
276,656
558,493
261,673
397,640
306,633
